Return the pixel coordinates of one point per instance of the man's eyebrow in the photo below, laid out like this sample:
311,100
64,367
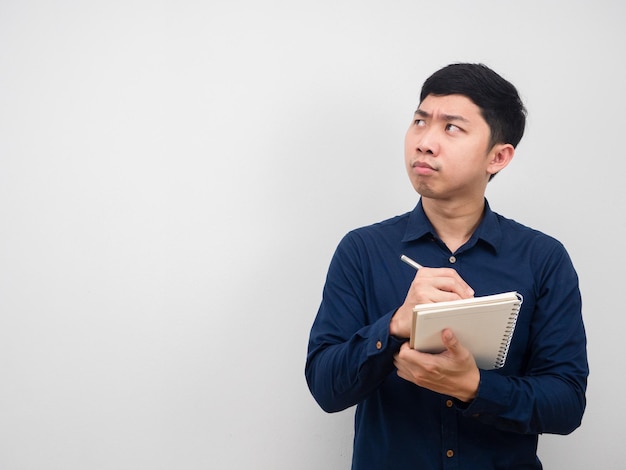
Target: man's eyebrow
445,117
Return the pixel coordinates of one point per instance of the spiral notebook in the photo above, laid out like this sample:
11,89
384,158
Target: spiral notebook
484,325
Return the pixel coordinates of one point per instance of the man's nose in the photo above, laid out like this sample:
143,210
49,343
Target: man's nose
428,142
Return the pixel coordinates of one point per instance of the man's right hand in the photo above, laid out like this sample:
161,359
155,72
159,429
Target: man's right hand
429,285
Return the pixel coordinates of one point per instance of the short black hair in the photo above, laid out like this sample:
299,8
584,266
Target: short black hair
498,99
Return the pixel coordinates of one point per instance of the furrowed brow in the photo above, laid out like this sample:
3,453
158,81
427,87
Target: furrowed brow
444,117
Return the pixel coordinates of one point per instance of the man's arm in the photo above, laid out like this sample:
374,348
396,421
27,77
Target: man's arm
351,349
349,355
550,395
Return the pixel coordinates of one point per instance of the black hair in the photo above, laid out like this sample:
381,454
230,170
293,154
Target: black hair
498,100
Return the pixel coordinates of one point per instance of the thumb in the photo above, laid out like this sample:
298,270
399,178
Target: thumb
449,339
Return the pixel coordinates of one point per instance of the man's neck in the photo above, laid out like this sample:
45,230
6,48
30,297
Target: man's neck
454,222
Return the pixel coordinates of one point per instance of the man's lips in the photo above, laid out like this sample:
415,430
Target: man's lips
422,168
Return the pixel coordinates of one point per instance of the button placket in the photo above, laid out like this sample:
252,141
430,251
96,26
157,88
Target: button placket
449,434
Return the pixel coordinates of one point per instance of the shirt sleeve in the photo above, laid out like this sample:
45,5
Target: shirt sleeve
350,350
549,395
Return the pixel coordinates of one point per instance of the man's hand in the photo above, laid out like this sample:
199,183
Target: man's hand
452,372
429,285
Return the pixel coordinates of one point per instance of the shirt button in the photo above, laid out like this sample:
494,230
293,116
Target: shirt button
449,453
452,259
449,403
379,344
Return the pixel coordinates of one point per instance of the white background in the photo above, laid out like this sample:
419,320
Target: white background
175,176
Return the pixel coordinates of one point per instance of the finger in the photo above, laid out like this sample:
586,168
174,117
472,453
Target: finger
446,282
405,357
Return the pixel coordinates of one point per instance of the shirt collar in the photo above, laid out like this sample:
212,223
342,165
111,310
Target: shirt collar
488,230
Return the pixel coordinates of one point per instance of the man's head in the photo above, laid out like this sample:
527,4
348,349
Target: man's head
498,100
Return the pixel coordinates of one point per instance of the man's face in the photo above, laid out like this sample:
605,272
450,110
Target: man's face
447,150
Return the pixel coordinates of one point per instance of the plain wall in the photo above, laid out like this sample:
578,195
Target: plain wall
175,176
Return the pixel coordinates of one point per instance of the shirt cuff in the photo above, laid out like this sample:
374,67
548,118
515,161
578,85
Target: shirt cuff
380,341
493,396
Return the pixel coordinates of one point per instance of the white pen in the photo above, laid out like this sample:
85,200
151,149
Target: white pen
410,262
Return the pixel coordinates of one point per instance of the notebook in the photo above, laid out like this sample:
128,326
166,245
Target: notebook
484,325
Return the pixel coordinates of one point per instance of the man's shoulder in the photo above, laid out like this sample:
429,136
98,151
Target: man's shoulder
385,232
396,223
517,232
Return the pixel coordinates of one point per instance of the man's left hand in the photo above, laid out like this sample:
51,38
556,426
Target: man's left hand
452,372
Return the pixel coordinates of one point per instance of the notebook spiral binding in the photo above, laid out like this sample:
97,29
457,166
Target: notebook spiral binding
508,334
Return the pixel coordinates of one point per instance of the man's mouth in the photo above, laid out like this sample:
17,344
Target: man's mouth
423,168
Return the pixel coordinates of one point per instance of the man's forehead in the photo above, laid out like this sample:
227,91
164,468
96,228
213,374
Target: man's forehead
450,107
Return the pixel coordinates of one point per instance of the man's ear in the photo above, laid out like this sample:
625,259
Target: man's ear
500,156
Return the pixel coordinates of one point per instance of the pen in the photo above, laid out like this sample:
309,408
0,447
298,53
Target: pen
410,262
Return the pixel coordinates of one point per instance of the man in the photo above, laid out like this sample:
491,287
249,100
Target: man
429,411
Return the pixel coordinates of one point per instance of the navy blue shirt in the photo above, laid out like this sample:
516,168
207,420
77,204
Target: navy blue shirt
399,425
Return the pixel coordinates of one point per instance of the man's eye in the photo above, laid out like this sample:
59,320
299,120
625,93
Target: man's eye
452,127
419,122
